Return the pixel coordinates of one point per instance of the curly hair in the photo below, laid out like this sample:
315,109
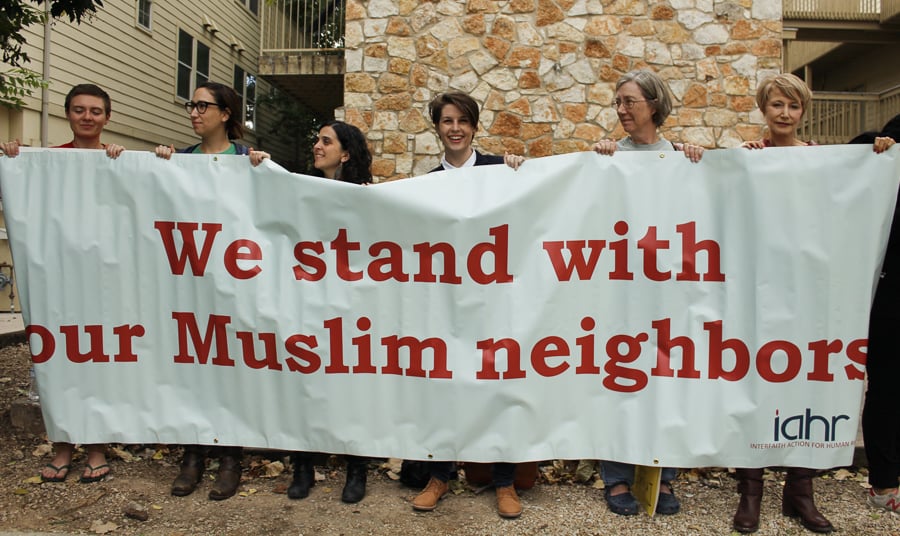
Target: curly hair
227,99
357,168
654,90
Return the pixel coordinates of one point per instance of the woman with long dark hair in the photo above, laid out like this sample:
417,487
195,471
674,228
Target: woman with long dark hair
340,153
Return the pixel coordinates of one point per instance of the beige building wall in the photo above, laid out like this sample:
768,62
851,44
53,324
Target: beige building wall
137,67
545,70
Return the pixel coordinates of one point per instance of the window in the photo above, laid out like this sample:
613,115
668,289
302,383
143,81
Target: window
252,5
143,13
193,65
245,85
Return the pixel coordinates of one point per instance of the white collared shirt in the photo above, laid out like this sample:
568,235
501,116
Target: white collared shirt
468,163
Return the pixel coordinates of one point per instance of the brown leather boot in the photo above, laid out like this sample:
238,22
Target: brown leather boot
797,500
192,466
228,479
750,486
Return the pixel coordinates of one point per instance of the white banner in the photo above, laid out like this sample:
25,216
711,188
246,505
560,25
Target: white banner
638,307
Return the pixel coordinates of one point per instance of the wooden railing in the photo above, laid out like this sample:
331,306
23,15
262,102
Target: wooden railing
890,9
296,26
837,10
838,117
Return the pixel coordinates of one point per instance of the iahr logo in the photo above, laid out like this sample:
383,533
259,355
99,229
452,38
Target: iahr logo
803,425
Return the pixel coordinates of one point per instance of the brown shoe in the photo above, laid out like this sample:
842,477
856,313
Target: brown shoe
508,504
428,499
192,466
228,479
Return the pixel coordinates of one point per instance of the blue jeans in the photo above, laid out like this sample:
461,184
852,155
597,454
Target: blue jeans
615,472
503,474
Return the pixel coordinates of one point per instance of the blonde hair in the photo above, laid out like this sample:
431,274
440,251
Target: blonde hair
790,85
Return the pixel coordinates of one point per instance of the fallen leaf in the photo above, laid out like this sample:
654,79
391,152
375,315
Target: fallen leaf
5,379
33,480
842,474
99,527
42,450
158,455
21,491
273,469
123,455
156,507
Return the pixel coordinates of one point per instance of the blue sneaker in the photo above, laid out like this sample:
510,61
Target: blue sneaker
667,504
623,504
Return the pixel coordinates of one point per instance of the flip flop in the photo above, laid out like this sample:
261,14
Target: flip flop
57,470
92,469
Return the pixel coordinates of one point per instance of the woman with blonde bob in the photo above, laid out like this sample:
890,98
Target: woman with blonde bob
783,99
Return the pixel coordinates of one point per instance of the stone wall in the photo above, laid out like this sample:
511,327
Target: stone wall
545,70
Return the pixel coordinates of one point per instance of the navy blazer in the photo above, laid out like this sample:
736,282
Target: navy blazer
480,160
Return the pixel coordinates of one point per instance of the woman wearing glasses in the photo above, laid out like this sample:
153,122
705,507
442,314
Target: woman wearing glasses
215,118
642,103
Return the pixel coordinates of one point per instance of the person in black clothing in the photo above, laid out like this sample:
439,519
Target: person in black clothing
455,118
340,153
881,427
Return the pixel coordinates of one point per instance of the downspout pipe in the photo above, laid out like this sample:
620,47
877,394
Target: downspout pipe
45,75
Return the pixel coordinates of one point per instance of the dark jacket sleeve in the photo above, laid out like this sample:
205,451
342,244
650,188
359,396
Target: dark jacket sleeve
487,159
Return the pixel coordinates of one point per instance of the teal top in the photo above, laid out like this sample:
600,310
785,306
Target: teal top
230,150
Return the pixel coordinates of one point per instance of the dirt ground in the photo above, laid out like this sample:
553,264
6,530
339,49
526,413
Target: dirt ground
141,476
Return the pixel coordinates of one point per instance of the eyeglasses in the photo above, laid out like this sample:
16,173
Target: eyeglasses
628,103
200,105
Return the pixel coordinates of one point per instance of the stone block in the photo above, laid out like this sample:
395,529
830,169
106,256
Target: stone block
26,416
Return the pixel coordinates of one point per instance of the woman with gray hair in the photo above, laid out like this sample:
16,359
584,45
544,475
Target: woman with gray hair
643,103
